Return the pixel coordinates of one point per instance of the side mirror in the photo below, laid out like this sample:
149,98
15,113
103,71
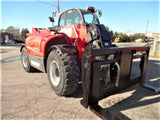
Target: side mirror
99,13
51,19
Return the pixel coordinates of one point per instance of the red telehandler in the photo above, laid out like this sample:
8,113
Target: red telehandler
79,49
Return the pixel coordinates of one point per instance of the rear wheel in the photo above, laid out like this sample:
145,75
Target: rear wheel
25,61
63,73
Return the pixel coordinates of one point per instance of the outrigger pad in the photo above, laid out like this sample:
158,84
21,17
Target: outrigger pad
91,82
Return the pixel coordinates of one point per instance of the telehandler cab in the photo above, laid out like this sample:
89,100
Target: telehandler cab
79,49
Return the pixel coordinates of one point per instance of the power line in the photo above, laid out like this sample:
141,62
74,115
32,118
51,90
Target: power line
51,5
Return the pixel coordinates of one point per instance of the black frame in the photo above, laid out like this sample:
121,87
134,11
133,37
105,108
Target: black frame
91,72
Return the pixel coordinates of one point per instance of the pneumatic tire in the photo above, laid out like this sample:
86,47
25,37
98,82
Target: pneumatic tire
63,73
25,61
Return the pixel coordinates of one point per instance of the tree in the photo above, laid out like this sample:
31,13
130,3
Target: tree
14,31
111,33
116,34
23,33
137,36
124,37
2,30
132,38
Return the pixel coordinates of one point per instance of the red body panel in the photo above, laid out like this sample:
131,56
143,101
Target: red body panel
79,34
39,38
37,41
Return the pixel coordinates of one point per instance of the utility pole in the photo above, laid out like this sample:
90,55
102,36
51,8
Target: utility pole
58,7
147,27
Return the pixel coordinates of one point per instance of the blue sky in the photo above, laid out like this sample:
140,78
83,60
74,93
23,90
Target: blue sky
120,16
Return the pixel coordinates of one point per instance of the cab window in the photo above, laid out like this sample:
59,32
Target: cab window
62,22
90,18
73,17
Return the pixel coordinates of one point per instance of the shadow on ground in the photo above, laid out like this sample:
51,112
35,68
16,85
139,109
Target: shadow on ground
133,101
137,98
18,44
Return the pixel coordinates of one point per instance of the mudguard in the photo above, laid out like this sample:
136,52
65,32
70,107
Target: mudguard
23,45
66,48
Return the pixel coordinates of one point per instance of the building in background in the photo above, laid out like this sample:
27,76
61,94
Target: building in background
153,35
4,37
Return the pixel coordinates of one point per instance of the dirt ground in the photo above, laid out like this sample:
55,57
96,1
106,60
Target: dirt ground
28,96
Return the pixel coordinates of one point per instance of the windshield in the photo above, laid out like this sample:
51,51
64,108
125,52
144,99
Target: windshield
90,18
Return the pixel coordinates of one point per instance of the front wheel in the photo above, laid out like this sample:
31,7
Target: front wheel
25,61
63,73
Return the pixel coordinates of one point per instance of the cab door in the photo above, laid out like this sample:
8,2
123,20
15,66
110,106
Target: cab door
68,22
71,23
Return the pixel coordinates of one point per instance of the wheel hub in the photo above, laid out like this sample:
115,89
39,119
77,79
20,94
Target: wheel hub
54,73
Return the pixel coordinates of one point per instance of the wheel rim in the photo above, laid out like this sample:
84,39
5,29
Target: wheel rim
24,60
54,73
